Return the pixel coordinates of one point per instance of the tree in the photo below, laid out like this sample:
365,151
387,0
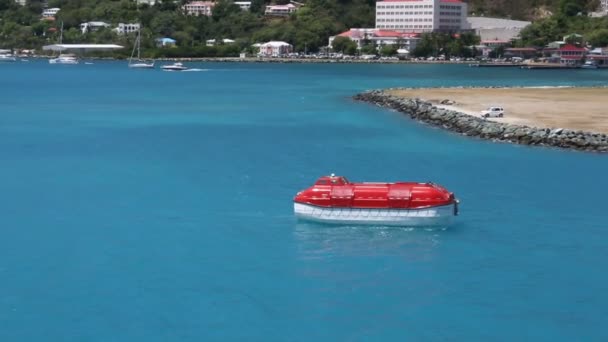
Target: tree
388,50
571,7
257,7
369,49
598,37
223,9
344,45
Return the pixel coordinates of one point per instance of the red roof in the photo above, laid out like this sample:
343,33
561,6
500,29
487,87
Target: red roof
570,47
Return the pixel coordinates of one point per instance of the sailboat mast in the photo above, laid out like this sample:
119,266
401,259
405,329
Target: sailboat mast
138,44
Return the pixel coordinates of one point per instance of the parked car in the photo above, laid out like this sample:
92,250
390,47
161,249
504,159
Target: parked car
493,112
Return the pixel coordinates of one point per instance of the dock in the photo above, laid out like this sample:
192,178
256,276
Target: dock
547,66
495,65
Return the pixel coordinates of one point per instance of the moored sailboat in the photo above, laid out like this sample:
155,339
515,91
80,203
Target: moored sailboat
139,64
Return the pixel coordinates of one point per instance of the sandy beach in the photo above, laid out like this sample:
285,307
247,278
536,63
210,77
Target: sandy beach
572,108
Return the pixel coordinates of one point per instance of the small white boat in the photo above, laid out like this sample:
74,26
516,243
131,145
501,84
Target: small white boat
5,56
64,59
589,65
174,67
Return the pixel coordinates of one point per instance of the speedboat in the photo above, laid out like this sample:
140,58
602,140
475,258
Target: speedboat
174,67
333,199
64,59
589,65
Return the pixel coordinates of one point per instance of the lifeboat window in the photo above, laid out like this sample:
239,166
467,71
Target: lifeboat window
322,182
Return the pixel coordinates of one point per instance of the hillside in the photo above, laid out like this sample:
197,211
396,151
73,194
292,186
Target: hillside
529,9
308,29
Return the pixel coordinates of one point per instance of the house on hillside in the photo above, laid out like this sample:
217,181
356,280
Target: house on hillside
93,26
50,12
243,5
127,28
280,10
165,42
197,8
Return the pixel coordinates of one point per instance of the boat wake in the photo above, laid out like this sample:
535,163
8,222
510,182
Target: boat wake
196,70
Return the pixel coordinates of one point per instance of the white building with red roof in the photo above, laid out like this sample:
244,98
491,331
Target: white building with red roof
571,54
421,15
380,37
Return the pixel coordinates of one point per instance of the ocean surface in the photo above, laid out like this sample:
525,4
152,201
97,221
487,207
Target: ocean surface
140,205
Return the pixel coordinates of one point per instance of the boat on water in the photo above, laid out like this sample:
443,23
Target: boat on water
589,65
139,63
79,48
64,59
6,56
334,199
174,67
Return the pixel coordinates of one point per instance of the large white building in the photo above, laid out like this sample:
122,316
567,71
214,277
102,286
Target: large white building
198,8
93,26
604,5
421,15
123,28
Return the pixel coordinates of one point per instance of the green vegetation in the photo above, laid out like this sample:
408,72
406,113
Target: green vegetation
530,9
570,17
344,45
435,44
307,30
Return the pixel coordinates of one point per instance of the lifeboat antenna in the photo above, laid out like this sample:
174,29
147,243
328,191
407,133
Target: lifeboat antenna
333,175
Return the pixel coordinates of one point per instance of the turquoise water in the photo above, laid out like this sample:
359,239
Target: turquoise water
151,206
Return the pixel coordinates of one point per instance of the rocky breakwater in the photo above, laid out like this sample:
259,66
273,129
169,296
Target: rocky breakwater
478,127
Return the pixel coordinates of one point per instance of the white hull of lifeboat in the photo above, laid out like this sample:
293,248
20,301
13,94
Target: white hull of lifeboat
441,216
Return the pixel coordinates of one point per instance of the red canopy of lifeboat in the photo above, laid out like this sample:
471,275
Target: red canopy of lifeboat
337,191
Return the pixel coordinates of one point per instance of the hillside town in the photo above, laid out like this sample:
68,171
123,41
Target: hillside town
430,30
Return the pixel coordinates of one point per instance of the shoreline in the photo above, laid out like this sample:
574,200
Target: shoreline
461,121
271,60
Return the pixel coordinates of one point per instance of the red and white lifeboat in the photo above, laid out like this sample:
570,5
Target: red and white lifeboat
333,199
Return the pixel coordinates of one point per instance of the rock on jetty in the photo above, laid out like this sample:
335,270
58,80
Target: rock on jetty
478,127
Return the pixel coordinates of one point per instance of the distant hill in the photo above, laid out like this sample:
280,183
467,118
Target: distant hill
529,9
